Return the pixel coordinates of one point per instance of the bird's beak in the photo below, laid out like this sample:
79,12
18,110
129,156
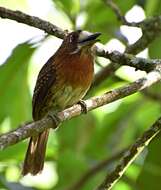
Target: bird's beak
89,39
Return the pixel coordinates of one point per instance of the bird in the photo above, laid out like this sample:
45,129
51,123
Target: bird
62,82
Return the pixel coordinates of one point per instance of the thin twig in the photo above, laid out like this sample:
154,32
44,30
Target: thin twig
119,14
26,131
130,156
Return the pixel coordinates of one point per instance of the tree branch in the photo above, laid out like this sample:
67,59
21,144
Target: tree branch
130,156
130,60
32,21
151,27
118,59
95,102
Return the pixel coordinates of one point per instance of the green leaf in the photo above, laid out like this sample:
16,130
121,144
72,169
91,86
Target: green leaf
105,136
152,7
70,166
155,48
13,153
15,99
124,7
70,8
150,175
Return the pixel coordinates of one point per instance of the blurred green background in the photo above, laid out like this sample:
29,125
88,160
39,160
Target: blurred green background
83,142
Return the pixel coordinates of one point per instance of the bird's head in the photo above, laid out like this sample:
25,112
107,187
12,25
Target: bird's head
80,40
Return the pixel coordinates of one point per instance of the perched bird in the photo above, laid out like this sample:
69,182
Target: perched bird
62,82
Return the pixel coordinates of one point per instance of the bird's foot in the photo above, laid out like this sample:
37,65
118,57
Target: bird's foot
83,106
55,119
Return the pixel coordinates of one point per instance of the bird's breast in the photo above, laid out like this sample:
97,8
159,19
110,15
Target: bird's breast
74,76
76,70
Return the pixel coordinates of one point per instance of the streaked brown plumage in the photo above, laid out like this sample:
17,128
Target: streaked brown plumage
62,82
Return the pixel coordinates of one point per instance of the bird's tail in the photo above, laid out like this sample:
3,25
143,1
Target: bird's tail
35,155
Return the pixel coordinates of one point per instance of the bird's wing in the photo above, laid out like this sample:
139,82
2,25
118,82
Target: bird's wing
46,78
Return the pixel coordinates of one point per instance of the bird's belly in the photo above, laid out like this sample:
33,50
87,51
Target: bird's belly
66,97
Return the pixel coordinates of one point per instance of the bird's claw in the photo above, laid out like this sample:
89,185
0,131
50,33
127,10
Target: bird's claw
83,106
55,119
